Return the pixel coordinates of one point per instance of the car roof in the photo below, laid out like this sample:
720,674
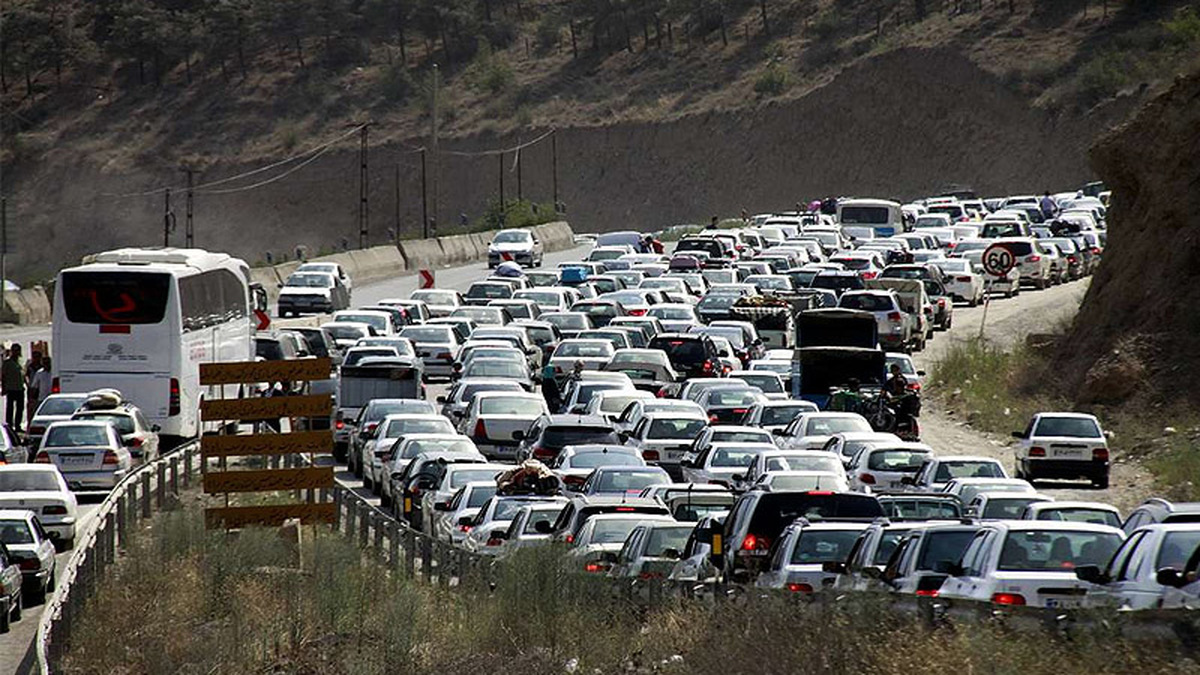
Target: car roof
1073,415
79,423
16,514
965,458
1099,506
579,420
1054,525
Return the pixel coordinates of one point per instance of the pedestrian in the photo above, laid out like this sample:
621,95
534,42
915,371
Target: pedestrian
1048,206
712,224
12,382
31,369
39,386
550,389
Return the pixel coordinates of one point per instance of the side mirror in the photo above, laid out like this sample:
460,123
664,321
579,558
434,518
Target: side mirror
498,534
543,527
778,432
834,567
623,435
441,506
518,435
155,428
1167,576
670,553
739,476
465,521
908,480
1094,575
873,571
441,399
1018,434
920,373
687,463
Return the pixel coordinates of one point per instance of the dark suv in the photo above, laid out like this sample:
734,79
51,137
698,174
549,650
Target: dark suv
757,519
551,433
691,355
719,253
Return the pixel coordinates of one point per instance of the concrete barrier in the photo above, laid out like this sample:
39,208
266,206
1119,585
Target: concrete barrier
377,264
556,236
481,241
27,306
458,249
422,254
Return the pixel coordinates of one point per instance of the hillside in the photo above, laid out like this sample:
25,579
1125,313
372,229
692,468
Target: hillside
666,111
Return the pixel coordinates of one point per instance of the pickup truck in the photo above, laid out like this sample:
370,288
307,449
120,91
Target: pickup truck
372,378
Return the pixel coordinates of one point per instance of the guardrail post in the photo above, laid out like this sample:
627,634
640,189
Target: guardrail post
110,537
187,468
427,558
363,524
350,513
160,498
145,495
175,476
394,543
410,552
122,525
337,509
379,526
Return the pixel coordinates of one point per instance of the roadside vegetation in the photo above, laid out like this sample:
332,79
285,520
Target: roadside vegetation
997,390
185,599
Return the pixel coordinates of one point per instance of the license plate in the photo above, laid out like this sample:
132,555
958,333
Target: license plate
74,460
1066,452
1061,603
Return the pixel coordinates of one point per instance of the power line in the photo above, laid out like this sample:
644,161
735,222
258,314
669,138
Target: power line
502,151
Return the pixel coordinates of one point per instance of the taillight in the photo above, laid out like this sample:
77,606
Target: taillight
637,312
544,453
1037,452
54,510
42,457
595,567
173,405
650,575
1096,250
36,431
110,457
713,419
650,455
869,275
967,279
339,425
464,528
570,538
708,366
480,430
800,588
924,593
1011,599
1100,454
914,386
866,478
1033,258
755,543
30,564
494,541
135,442
894,316
55,386
941,302
1070,258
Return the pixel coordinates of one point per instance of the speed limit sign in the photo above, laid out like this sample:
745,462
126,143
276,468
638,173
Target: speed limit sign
998,260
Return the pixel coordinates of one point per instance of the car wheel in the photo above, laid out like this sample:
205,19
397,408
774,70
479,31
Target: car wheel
384,501
17,610
949,323
5,617
1100,482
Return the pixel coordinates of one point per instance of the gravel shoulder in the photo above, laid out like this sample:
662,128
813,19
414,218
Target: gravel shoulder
1008,322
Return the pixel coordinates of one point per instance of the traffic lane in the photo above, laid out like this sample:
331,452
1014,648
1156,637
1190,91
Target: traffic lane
451,278
15,644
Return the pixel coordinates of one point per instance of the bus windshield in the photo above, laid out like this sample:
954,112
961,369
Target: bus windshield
115,297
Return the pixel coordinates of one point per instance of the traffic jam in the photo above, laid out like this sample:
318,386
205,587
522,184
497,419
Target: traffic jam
738,406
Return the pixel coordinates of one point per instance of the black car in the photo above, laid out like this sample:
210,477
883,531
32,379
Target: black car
551,433
690,354
719,253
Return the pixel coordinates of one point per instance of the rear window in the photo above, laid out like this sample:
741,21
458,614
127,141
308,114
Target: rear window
480,495
868,302
591,460
1006,509
619,480
59,406
496,405
1081,515
663,538
1177,549
540,516
780,415
896,460
776,511
675,428
123,423
1019,248
1056,551
821,546
28,481
828,426
864,215
75,436
115,297
837,282
921,509
15,532
1074,427
732,457
944,546
887,543
464,476
983,469
490,291
828,464
680,350
558,437
612,531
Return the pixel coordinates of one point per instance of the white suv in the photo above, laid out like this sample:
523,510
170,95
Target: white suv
1062,445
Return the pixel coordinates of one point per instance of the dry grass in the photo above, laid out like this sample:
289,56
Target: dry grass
186,600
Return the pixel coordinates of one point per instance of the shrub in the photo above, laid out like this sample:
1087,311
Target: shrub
548,32
1184,27
1105,75
395,83
773,81
490,72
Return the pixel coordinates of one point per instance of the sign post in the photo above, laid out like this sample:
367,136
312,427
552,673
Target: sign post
998,261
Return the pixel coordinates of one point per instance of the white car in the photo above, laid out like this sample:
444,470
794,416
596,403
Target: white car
766,463
664,438
610,403
40,488
594,548
799,556
845,445
377,451
30,547
1062,445
675,317
963,283
1074,512
440,301
801,481
651,550
440,498
1025,564
519,246
90,455
329,268
637,409
1132,579
936,472
529,528
1002,505
490,525
966,488
810,431
776,414
719,463
492,416
883,466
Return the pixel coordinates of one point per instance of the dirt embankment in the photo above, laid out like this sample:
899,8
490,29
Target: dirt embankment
1138,331
902,124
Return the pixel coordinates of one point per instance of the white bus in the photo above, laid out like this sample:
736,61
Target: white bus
142,320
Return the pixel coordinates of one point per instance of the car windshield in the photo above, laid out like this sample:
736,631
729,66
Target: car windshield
1177,549
804,463
732,397
479,495
123,423
828,426
489,290
505,405
821,546
905,365
309,280
968,469
416,447
782,414
612,531
593,349
591,460
1073,427
428,334
557,437
663,538
720,301
1080,515
402,346
923,509
540,516
868,302
460,477
15,532
495,368
74,436
897,460
1007,509
615,403
548,298
944,547
629,481
675,428
434,297
732,457
28,481
1056,551
398,428
511,237
768,384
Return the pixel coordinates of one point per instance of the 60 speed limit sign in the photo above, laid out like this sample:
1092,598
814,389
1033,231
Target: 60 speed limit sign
998,260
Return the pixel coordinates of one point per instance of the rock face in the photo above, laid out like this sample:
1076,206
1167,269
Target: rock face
1146,292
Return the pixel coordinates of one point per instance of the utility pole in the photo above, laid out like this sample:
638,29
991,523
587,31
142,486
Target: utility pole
363,191
396,185
554,165
168,218
436,157
501,187
3,255
424,200
520,195
188,229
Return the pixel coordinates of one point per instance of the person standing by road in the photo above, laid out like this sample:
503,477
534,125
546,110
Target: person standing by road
39,387
12,381
31,369
1048,206
712,224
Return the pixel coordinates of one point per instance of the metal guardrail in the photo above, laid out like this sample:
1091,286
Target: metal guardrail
135,498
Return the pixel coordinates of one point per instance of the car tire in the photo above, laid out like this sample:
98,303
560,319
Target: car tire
37,596
366,481
5,619
1100,482
383,499
16,616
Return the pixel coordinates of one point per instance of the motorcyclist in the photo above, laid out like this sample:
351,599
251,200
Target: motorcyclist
896,385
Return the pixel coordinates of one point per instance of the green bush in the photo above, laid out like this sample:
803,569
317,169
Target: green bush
490,72
1183,28
514,214
1105,75
773,81
547,32
395,84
